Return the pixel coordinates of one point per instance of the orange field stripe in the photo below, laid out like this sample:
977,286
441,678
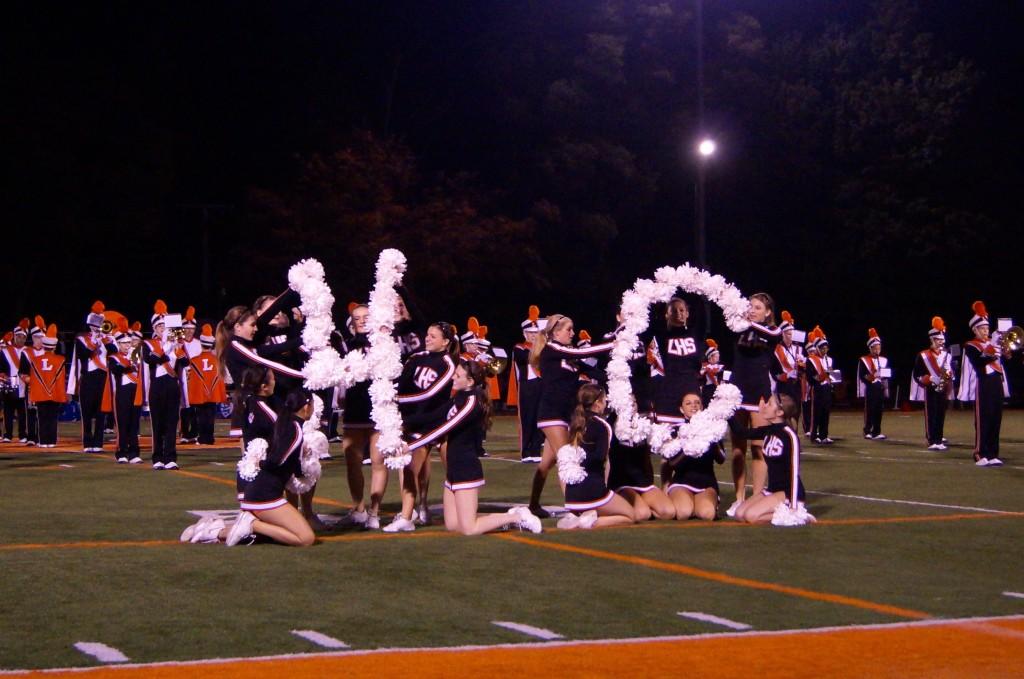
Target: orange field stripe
723,578
954,648
91,544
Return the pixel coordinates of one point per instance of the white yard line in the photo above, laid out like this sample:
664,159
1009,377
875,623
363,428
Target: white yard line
714,619
529,630
1015,595
900,502
320,639
101,652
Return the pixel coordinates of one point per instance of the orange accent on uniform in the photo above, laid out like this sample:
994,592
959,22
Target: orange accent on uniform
205,384
46,382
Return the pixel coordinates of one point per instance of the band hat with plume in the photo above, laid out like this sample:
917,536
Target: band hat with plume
787,322
712,348
980,316
50,340
95,317
206,338
472,331
189,319
531,324
136,330
873,337
938,328
39,328
123,332
22,327
159,311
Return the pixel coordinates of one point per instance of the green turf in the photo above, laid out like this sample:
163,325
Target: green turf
180,602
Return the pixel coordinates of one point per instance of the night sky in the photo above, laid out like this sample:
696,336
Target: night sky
551,143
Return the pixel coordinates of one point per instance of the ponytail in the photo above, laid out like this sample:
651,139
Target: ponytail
295,401
542,339
476,372
448,332
586,397
226,331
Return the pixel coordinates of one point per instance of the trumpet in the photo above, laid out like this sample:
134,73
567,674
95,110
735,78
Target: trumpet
1012,340
177,334
107,327
495,365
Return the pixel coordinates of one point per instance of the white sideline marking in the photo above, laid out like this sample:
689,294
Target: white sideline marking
934,622
1015,595
538,632
219,464
714,619
319,639
67,466
101,652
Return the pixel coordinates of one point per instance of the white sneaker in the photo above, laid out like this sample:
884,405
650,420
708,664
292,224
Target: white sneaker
23,440
31,444
354,518
372,522
158,465
568,522
171,465
827,440
5,440
530,460
421,517
122,460
400,524
209,531
588,519
525,519
135,460
935,446
995,462
731,511
186,535
240,529
982,462
943,446
881,437
367,462
868,436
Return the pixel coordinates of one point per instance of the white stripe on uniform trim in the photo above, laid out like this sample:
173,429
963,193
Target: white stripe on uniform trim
438,432
273,365
435,388
101,652
1015,595
532,631
714,619
319,639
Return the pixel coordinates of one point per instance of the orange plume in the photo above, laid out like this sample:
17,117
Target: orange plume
137,326
98,307
51,331
534,314
787,317
584,336
160,307
938,323
712,344
872,333
190,313
8,336
40,323
122,325
207,329
481,332
979,308
473,325
24,324
352,307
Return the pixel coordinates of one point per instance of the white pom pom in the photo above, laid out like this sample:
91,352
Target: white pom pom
255,453
785,516
570,465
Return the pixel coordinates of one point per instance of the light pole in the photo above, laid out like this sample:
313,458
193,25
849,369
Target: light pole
705,149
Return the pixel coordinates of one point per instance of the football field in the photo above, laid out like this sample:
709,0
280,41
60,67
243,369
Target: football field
913,569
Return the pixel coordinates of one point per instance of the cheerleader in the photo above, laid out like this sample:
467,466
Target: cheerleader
259,406
631,475
205,387
126,376
751,373
693,488
819,375
461,420
425,384
782,452
47,388
587,496
933,384
524,390
236,348
872,387
983,380
711,372
679,351
359,439
554,358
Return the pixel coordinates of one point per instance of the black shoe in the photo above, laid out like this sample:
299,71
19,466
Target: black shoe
540,512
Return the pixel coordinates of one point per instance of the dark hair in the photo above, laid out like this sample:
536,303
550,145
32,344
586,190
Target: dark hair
295,401
586,397
448,332
476,371
790,408
251,380
769,304
260,300
672,316
226,331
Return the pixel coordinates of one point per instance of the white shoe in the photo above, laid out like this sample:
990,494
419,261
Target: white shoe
5,440
588,519
421,517
995,462
568,522
209,531
171,465
530,460
135,460
354,518
186,535
731,511
982,462
23,440
240,529
372,522
31,444
935,446
881,437
400,524
525,519
335,439
827,440
367,462
158,465
122,460
868,436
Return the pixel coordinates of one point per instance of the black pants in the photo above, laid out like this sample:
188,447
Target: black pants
821,398
874,396
90,397
935,404
531,439
707,392
164,404
32,417
988,415
188,423
206,415
14,411
48,413
808,415
126,421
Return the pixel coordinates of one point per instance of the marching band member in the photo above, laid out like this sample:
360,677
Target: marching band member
788,362
90,381
679,350
14,393
36,334
165,358
47,388
806,388
555,359
751,374
819,374
192,348
983,380
872,387
205,387
126,375
524,390
710,372
933,383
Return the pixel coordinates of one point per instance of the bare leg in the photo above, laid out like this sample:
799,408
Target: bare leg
554,438
739,467
423,481
451,514
705,504
410,480
641,510
354,444
378,476
285,525
758,467
469,522
661,506
618,512
683,501
306,505
760,508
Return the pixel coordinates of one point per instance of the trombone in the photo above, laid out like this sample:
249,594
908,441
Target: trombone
1011,340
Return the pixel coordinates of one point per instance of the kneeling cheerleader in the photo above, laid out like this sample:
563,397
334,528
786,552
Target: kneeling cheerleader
693,487
462,420
583,467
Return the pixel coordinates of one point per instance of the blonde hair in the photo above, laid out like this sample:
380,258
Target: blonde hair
769,304
554,320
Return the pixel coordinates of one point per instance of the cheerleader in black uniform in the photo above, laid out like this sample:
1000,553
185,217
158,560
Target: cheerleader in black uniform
591,502
359,437
680,350
782,453
693,487
631,475
425,384
751,373
554,357
460,420
237,349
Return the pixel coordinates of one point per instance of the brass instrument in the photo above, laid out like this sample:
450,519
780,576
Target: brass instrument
495,365
1012,340
177,334
945,380
107,327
